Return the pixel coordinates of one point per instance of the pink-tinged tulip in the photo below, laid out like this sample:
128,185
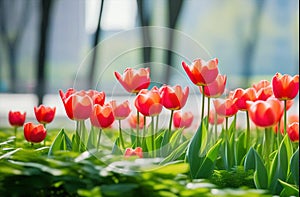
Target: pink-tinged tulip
134,152
202,73
134,80
16,118
182,120
214,118
34,133
265,113
226,107
44,114
78,105
263,90
243,96
293,131
120,110
102,116
261,84
216,88
174,98
97,97
149,102
291,119
285,87
133,121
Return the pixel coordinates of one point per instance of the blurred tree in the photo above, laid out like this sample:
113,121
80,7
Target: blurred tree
14,16
45,15
95,54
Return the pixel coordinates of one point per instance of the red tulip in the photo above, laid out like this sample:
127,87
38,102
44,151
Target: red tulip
201,72
261,84
16,118
212,118
134,152
149,102
102,116
293,131
97,97
181,120
122,110
174,98
133,121
285,87
265,113
34,133
291,119
134,80
44,114
216,88
78,105
263,90
243,96
226,107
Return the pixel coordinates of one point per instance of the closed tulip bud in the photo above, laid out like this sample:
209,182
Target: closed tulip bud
16,118
34,133
44,114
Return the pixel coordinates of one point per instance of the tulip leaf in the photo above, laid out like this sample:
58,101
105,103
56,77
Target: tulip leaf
61,143
92,139
176,153
116,147
294,165
249,163
175,138
288,189
240,149
260,174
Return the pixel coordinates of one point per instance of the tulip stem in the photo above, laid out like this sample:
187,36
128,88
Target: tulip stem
203,102
267,146
46,135
278,136
153,136
216,126
144,132
120,135
156,124
99,137
226,124
208,109
137,128
170,124
15,131
247,137
285,119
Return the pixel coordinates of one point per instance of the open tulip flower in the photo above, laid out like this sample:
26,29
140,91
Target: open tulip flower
285,87
120,110
44,114
97,97
216,88
34,133
133,80
243,96
138,151
16,118
263,90
293,131
102,116
182,119
174,98
132,120
226,107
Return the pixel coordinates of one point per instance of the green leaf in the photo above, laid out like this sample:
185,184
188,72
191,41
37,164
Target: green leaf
295,167
60,143
176,153
249,163
7,155
289,190
175,138
240,149
260,174
172,169
116,150
92,139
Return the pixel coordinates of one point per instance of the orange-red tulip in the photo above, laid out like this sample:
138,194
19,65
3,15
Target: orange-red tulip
102,116
293,131
149,102
16,118
226,107
202,73
216,88
120,110
243,96
174,98
285,87
291,119
138,151
212,118
265,113
97,97
134,80
44,114
34,133
263,90
78,105
133,121
182,120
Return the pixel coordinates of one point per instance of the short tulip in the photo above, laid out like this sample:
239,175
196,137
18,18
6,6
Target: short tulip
182,120
202,73
285,87
34,133
149,102
174,98
226,107
293,131
214,118
134,152
243,96
216,88
16,118
120,110
263,90
97,97
44,114
265,113
134,80
133,121
102,116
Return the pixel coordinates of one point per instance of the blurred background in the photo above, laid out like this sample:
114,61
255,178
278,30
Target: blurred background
47,45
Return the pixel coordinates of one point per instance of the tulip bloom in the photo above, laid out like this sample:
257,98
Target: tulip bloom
182,120
133,121
134,80
263,90
174,98
243,96
120,110
214,118
78,105
265,113
285,87
202,73
293,131
216,88
16,118
134,152
34,133
226,107
43,114
149,102
102,116
97,97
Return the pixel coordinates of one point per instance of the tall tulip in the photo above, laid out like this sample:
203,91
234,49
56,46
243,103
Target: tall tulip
133,80
34,133
174,98
16,119
182,119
